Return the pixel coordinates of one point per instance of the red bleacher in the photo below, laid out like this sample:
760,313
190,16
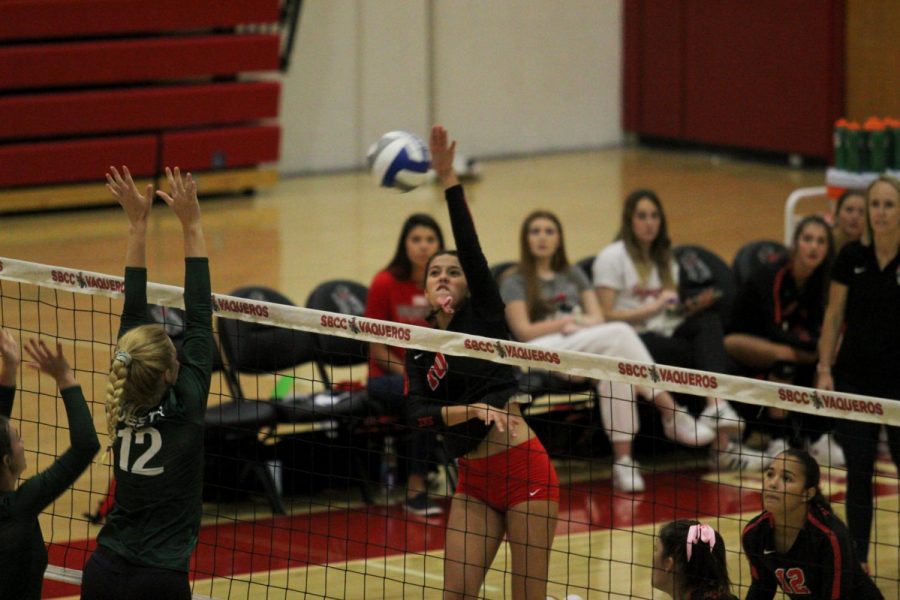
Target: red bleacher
76,160
89,83
44,19
130,61
154,108
221,148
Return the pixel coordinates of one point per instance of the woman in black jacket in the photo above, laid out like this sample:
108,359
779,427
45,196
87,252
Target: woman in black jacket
775,328
863,313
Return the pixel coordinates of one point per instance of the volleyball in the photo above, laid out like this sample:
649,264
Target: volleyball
399,161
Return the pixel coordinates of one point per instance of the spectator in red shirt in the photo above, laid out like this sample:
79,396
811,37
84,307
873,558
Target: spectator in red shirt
396,294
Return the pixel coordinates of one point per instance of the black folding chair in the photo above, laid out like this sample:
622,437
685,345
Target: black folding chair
586,265
172,319
348,298
700,268
364,421
234,428
502,269
752,256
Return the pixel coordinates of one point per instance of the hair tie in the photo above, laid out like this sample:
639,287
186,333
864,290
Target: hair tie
700,533
123,357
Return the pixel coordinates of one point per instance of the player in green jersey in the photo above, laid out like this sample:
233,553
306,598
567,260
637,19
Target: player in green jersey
23,556
155,406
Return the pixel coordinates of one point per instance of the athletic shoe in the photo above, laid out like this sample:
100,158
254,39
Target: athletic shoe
423,506
827,452
737,457
438,482
626,476
775,447
681,427
721,416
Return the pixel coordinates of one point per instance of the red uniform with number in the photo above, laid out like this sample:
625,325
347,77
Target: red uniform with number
821,564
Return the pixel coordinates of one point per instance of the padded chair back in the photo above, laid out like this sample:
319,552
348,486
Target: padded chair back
232,428
172,319
500,269
257,348
348,298
586,265
754,255
698,269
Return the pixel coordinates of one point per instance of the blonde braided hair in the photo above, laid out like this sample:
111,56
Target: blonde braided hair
136,376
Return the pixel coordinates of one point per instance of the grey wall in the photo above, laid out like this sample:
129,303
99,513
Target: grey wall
505,76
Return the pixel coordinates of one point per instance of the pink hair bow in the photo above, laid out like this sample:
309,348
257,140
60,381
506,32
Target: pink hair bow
700,533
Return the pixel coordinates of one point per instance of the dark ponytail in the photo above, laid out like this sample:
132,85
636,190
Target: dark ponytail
812,475
706,571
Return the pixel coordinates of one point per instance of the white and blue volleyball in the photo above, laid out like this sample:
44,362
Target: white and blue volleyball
399,161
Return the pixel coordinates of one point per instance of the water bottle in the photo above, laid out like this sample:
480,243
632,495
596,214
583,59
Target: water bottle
893,130
276,471
878,144
840,144
853,152
389,467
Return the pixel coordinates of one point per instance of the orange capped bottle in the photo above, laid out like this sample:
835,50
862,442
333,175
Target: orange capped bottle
840,144
877,144
854,150
893,134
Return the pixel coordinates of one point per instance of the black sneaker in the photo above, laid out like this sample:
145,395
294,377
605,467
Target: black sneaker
423,506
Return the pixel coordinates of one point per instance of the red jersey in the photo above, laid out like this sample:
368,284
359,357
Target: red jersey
820,565
391,299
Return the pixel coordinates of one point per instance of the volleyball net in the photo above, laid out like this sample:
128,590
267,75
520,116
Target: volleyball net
304,471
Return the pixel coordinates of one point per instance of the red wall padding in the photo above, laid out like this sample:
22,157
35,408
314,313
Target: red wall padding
657,38
762,75
148,83
136,109
222,148
632,24
75,160
125,61
41,19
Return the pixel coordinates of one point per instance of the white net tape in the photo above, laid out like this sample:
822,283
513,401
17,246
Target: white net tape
673,379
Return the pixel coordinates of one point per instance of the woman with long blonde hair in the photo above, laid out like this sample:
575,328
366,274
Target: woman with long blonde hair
864,303
155,406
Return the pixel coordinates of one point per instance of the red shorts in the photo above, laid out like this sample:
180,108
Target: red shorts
521,474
